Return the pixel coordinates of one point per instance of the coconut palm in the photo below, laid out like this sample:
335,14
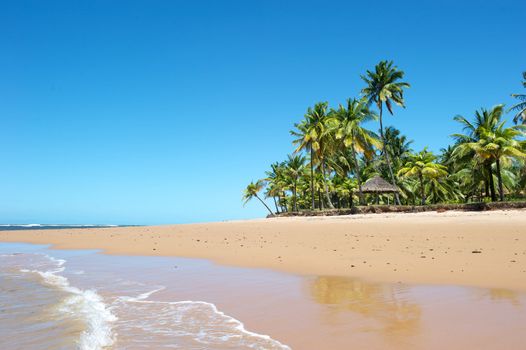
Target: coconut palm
496,145
344,187
272,191
276,182
354,136
312,135
423,167
464,153
342,154
409,189
305,140
252,191
318,188
443,189
294,167
384,87
303,189
520,107
519,169
399,146
511,176
446,158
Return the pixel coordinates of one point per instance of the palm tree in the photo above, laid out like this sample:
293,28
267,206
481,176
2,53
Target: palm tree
446,158
252,191
344,188
303,190
520,171
399,146
355,137
498,144
305,140
520,107
384,87
273,191
312,135
294,169
276,182
422,166
443,189
464,153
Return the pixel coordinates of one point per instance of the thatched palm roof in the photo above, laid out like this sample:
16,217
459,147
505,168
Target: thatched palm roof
378,185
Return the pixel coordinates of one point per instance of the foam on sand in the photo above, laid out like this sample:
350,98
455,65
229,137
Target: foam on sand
195,323
128,317
84,304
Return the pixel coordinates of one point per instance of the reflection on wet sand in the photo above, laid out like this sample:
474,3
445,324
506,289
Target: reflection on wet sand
502,295
386,304
398,316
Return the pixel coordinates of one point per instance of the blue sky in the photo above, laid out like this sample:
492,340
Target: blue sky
144,112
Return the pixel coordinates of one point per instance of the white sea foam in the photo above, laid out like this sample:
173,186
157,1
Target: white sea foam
218,328
143,321
86,304
58,225
20,225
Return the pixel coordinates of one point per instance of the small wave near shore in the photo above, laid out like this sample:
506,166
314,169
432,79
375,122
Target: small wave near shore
191,325
117,315
80,310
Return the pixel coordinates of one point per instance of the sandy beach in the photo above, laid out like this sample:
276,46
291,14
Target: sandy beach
484,249
151,302
384,281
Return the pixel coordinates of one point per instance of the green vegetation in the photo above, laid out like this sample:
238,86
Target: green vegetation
335,154
520,107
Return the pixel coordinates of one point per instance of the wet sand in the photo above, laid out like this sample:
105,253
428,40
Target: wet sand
316,312
486,249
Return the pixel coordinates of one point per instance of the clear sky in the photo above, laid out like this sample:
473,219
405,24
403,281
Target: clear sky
144,112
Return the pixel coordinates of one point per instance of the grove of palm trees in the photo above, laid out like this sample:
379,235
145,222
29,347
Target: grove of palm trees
334,155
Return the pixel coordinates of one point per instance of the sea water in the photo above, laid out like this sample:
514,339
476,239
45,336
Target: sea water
13,227
79,299
45,304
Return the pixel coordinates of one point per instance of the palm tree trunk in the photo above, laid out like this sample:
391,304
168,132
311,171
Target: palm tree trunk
491,183
320,200
499,177
275,204
312,177
265,204
386,154
422,190
329,202
295,199
358,175
350,200
283,207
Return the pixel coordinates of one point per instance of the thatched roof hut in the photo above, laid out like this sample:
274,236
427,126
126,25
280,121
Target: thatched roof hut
378,185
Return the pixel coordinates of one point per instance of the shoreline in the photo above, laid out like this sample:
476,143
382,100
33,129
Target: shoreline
481,249
300,312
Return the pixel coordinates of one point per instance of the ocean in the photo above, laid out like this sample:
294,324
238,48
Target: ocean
9,227
73,300
54,299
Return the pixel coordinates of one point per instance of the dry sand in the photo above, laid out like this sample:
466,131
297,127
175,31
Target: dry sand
486,249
